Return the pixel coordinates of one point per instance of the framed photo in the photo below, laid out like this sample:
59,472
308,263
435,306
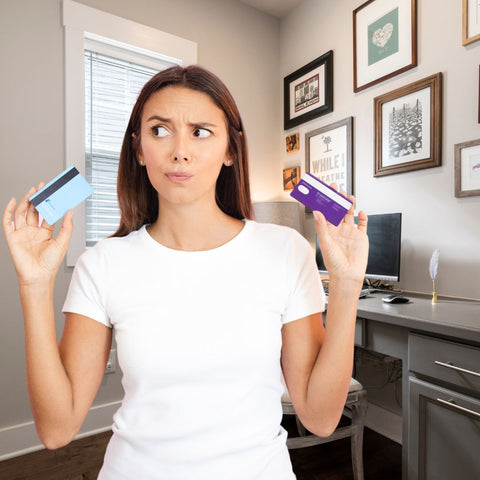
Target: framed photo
329,154
291,176
467,169
292,142
384,41
408,127
470,21
308,92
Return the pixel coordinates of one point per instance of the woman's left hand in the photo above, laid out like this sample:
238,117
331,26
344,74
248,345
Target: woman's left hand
345,247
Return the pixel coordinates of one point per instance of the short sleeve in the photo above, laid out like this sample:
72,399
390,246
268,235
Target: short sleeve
86,293
307,295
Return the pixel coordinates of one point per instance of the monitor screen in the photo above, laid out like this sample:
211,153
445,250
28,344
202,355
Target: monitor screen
385,238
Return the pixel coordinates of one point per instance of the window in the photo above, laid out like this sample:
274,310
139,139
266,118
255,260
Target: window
111,88
107,61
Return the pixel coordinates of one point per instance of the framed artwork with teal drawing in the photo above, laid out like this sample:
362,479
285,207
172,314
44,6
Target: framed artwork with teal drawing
384,40
329,154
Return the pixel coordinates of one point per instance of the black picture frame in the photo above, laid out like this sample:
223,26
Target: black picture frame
316,74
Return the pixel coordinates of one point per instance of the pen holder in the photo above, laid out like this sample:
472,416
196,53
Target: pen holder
434,294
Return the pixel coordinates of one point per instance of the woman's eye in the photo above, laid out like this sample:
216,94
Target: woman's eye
160,131
201,133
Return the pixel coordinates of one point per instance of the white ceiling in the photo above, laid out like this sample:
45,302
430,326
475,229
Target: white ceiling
277,8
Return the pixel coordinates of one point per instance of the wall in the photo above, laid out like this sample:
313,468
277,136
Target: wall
31,135
432,216
32,139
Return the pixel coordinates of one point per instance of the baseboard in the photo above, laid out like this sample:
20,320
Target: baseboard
22,438
384,422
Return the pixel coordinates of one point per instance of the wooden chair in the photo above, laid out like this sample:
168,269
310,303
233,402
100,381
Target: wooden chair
357,404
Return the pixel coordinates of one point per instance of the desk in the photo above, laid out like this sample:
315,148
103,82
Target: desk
421,334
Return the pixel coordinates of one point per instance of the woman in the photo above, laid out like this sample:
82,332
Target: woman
207,306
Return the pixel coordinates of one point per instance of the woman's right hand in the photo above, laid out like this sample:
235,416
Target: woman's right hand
36,255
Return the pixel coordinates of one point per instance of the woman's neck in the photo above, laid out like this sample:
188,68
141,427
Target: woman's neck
191,228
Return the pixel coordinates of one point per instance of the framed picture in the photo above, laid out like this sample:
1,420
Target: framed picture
470,21
329,154
292,142
408,127
467,169
308,92
384,40
291,176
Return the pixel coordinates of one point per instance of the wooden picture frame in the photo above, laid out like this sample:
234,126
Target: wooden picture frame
329,154
384,41
308,92
467,169
408,127
291,177
470,22
292,143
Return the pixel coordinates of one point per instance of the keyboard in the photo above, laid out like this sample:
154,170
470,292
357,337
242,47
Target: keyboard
363,293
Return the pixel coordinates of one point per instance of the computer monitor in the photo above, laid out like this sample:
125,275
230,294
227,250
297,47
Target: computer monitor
385,239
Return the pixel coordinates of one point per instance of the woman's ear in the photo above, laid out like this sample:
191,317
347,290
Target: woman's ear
138,150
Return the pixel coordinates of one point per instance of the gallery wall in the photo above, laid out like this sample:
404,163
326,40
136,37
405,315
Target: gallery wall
432,216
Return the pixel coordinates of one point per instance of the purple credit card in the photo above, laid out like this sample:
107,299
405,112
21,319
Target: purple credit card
317,195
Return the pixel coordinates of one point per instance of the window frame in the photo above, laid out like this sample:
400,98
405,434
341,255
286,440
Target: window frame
81,22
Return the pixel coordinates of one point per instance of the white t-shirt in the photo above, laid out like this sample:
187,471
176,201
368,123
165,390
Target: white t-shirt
198,339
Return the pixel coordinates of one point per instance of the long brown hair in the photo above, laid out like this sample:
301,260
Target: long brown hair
137,198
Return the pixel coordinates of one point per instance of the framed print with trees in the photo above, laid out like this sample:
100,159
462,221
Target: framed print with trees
408,127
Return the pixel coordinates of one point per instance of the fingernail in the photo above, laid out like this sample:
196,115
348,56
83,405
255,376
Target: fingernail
316,216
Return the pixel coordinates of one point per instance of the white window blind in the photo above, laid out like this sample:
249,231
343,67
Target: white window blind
114,38
111,89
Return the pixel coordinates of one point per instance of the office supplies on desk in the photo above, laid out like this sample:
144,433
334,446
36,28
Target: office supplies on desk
395,298
363,293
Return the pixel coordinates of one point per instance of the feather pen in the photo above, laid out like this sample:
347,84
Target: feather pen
433,272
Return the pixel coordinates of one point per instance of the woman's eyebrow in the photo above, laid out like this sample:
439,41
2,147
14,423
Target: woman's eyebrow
193,124
157,117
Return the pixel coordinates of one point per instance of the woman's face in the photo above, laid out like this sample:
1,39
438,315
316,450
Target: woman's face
184,143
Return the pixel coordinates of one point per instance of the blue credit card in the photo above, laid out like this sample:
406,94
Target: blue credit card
63,193
317,195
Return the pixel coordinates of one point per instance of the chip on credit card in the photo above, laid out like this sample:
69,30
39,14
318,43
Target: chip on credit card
61,194
317,195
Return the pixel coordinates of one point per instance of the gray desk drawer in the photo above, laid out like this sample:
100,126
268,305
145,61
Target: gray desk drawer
447,361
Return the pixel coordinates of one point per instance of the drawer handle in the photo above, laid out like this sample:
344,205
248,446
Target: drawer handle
458,407
458,369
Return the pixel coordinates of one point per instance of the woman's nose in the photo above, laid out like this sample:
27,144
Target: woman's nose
181,153
181,157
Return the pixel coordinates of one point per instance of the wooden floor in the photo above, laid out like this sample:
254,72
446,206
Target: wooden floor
82,459
382,458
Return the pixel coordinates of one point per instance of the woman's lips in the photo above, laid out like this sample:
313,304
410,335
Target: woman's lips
178,177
